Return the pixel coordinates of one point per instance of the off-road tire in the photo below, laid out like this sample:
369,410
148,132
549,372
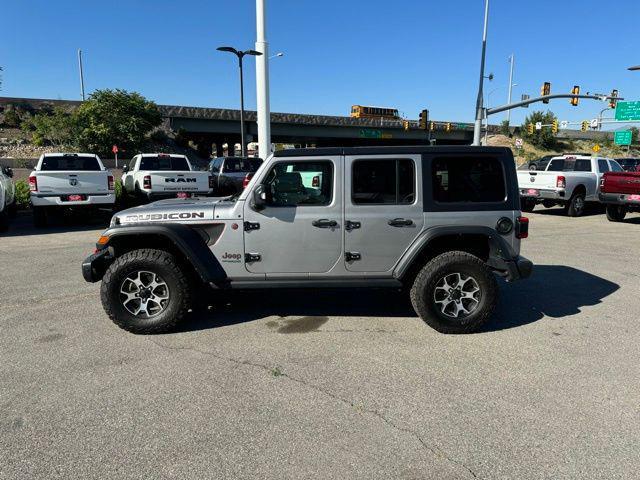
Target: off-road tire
573,206
527,205
616,213
168,268
39,217
423,290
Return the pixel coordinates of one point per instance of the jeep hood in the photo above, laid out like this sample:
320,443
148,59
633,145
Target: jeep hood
198,209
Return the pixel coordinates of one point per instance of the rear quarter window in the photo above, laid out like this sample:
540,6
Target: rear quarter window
468,179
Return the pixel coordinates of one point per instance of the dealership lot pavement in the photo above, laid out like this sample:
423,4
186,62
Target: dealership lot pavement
326,384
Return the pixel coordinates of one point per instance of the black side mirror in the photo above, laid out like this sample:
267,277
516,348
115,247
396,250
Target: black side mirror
259,197
125,168
9,172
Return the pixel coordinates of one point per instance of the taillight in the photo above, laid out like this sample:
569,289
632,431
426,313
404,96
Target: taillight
110,182
522,227
602,184
210,182
247,179
146,182
561,182
316,181
33,184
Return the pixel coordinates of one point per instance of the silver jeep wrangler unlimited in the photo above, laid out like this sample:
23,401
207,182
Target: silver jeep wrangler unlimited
441,221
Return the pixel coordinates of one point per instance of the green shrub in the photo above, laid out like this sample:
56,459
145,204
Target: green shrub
22,193
118,190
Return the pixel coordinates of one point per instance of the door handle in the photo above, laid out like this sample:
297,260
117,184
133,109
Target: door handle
324,223
400,222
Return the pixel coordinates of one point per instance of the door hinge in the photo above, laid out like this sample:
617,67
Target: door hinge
352,256
248,226
349,225
252,257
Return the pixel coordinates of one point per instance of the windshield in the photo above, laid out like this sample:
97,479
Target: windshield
242,165
165,163
70,162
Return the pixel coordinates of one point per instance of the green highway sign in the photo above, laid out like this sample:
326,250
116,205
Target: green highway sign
622,137
367,133
628,111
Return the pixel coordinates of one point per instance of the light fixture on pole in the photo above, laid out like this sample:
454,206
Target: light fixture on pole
279,54
240,56
634,68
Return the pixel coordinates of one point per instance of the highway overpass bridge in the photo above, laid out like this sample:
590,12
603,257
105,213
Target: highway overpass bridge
210,128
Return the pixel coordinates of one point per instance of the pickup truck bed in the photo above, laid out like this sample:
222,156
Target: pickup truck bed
620,192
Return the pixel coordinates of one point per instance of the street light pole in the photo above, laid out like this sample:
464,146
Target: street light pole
262,81
511,61
240,56
477,126
81,74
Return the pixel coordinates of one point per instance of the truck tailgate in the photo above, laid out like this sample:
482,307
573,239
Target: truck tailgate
72,182
180,181
621,182
537,180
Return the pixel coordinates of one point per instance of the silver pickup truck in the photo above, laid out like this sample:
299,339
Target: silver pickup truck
570,181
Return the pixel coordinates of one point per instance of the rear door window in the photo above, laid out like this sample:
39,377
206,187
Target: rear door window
603,166
70,162
468,180
582,165
383,182
556,165
615,166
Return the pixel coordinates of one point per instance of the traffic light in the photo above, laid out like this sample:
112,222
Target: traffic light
405,125
584,126
447,127
424,119
614,98
575,91
545,90
530,128
432,126
554,126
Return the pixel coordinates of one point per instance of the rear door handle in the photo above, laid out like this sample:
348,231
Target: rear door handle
324,223
400,222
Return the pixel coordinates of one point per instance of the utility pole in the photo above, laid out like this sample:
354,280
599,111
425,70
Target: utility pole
477,126
511,61
262,81
81,74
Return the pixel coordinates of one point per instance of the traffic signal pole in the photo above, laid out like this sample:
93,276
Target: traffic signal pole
523,103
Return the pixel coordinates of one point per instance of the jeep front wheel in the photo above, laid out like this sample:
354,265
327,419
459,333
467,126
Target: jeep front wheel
145,291
455,293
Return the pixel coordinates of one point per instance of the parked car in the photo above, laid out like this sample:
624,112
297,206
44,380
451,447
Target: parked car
629,164
540,163
232,174
154,176
441,221
620,192
69,181
7,197
570,181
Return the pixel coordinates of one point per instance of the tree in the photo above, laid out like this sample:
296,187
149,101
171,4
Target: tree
540,138
115,117
504,128
57,128
634,134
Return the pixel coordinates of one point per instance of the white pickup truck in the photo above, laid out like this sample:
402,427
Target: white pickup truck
69,180
568,180
154,176
7,197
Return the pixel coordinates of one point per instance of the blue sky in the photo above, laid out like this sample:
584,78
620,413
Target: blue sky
409,54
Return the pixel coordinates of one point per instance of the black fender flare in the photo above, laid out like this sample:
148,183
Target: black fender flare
192,246
500,251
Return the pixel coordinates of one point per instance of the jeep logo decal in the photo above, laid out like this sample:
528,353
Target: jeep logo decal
231,257
180,180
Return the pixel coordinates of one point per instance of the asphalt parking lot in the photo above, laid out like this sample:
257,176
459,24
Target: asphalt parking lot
328,385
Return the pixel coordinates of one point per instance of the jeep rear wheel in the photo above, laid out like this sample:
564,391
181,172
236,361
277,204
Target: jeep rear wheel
455,293
145,291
